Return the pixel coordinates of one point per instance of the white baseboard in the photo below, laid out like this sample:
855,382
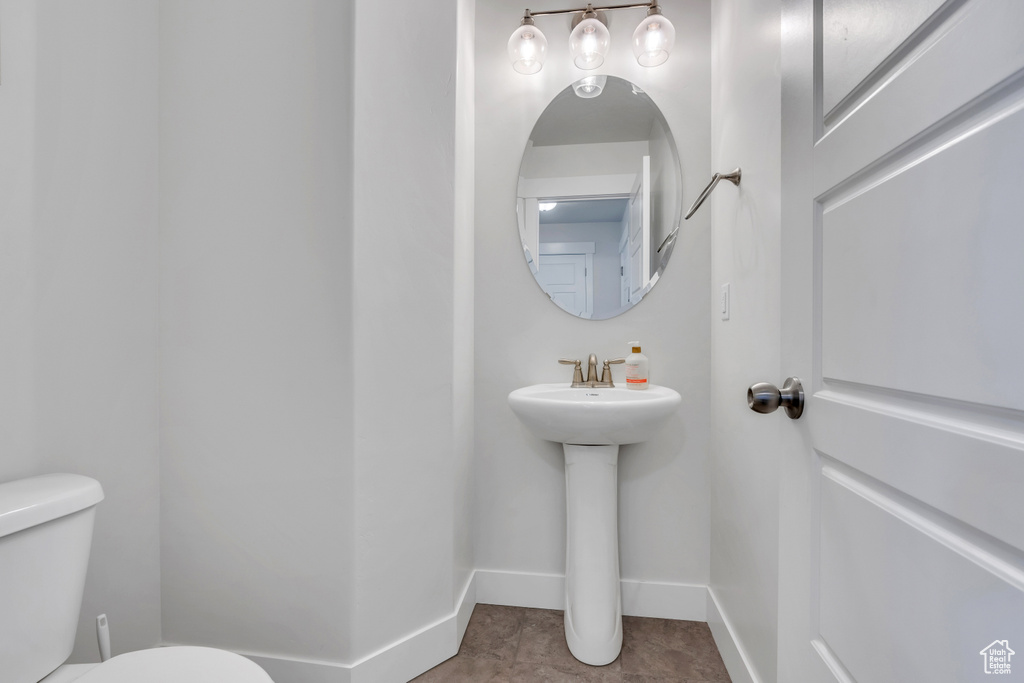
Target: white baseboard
664,600
729,646
397,662
284,670
520,589
464,608
408,657
547,591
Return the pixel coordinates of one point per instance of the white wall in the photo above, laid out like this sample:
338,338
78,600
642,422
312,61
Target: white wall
404,321
520,334
745,349
17,140
317,398
256,324
464,296
182,206
78,101
599,158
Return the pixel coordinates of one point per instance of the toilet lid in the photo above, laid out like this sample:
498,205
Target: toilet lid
181,664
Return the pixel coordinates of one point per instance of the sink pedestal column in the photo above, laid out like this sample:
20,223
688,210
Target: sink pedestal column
593,603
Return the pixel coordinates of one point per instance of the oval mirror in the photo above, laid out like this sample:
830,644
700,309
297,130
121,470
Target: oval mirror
599,198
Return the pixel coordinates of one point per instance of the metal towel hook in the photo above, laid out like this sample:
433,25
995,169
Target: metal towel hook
733,177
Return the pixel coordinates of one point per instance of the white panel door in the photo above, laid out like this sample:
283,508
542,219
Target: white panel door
640,231
528,211
902,495
564,278
624,270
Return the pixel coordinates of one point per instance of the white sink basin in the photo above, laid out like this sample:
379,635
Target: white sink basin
593,417
591,424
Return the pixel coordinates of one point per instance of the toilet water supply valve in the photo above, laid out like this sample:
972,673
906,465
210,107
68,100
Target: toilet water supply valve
103,637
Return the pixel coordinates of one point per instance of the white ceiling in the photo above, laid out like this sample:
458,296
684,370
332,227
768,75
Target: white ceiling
616,115
585,211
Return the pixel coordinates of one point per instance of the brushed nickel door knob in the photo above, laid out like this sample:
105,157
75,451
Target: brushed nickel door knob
766,398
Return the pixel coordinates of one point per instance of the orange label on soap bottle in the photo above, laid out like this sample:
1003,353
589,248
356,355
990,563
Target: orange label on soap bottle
630,380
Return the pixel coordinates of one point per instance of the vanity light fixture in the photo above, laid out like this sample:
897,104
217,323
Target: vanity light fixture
589,86
527,47
546,206
589,41
653,38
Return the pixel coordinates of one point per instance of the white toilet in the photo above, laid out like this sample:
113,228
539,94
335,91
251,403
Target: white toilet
45,535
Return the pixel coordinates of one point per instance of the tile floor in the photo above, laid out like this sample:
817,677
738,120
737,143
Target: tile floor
521,645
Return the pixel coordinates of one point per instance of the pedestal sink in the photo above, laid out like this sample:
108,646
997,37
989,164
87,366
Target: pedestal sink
591,424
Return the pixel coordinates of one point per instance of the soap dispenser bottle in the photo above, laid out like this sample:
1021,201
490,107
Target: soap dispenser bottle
636,368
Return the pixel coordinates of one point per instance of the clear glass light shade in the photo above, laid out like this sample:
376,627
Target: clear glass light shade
590,86
653,40
527,48
588,43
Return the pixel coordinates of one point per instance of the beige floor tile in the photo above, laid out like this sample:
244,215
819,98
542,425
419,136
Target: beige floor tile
543,642
679,650
493,632
521,645
469,670
535,672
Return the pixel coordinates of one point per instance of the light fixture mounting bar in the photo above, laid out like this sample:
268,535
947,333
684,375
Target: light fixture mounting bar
589,40
548,13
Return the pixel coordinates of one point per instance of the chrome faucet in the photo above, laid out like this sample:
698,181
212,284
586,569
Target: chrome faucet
592,382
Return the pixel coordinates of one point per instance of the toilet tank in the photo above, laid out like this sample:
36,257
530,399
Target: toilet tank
45,534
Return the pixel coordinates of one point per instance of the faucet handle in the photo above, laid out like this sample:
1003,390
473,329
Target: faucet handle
577,373
606,373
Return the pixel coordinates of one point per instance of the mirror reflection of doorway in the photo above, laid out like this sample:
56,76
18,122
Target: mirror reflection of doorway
596,231
615,272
